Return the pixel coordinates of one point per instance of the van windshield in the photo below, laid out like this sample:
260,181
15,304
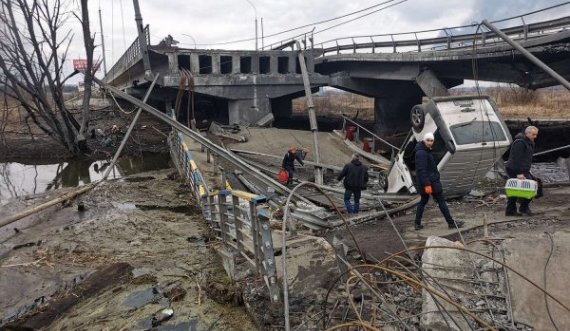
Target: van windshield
477,132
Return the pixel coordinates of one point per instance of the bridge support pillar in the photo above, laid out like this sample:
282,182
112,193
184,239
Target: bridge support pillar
168,106
430,84
392,113
248,111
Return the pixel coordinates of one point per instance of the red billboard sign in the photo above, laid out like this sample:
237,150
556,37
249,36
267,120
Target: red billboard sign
81,65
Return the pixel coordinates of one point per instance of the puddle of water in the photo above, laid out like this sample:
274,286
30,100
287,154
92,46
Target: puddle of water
191,325
124,206
20,179
140,298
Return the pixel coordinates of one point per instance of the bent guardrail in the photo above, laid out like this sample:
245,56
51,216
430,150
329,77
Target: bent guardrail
239,219
447,42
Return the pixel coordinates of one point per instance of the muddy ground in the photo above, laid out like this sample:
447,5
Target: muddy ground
114,258
379,238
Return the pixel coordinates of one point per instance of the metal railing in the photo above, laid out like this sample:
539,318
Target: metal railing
187,167
239,219
448,42
131,56
360,133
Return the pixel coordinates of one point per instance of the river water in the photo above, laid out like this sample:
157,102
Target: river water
35,176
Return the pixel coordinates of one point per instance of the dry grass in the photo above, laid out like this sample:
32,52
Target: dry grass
513,102
337,104
516,102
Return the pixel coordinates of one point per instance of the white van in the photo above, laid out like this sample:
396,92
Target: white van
470,137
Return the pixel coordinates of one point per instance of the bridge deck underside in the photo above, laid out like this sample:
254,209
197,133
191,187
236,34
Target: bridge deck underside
492,63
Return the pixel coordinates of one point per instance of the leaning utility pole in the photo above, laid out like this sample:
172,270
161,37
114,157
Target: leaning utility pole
312,115
142,41
102,44
528,54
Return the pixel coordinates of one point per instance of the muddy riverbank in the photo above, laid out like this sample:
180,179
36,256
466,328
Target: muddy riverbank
149,135
143,229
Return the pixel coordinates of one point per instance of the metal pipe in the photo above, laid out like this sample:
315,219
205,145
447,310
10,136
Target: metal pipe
551,150
528,55
129,130
312,115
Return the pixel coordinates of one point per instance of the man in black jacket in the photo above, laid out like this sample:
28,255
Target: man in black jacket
428,183
518,166
355,176
289,162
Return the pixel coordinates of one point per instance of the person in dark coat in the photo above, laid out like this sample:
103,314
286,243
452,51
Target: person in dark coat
518,166
289,162
355,176
428,183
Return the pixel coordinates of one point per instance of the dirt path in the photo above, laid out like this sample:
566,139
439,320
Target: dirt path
144,222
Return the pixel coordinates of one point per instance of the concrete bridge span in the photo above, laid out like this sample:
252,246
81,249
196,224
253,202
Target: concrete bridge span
251,85
397,81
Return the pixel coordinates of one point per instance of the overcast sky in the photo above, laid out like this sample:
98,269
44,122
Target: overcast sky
214,21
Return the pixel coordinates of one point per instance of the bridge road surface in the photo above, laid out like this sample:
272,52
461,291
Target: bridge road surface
274,141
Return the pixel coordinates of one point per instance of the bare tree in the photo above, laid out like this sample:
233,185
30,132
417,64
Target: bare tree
33,51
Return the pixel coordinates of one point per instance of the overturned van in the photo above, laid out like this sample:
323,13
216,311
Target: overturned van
470,137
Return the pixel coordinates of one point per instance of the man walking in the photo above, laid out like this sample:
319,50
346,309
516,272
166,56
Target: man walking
355,176
289,162
518,166
428,183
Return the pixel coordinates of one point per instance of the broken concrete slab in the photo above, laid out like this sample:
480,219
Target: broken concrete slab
529,253
309,261
443,266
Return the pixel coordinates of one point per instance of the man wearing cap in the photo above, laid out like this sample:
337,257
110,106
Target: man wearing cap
518,166
428,183
355,176
289,163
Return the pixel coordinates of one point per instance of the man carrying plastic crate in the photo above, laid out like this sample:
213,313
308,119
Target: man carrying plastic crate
518,166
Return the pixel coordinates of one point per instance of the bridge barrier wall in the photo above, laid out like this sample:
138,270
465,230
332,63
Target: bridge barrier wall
206,62
239,219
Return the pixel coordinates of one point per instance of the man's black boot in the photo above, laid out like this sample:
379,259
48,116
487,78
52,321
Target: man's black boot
456,224
527,212
513,213
418,227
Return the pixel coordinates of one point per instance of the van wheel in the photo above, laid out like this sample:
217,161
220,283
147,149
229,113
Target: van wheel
417,117
383,180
